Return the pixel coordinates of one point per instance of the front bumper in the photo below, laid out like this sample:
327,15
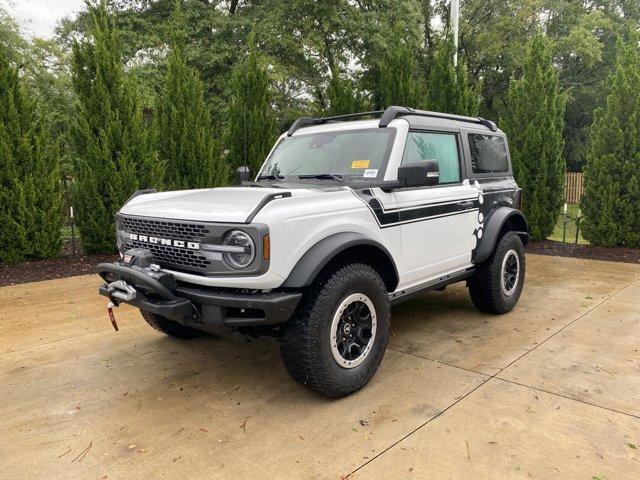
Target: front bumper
193,305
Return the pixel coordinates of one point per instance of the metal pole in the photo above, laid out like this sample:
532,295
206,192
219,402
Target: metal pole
564,224
73,233
245,136
578,225
455,14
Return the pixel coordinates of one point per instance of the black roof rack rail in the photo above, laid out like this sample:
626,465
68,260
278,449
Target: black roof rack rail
386,116
308,121
394,112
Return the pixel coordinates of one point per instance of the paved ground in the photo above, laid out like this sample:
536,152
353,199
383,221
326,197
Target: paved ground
551,390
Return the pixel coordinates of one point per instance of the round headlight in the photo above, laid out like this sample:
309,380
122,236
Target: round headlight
241,251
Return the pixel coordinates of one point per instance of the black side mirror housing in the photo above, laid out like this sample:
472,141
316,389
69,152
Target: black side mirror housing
419,174
242,175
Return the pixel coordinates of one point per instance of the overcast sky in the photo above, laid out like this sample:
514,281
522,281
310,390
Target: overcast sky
39,17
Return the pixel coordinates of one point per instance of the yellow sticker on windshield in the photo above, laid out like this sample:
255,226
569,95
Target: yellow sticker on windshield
360,164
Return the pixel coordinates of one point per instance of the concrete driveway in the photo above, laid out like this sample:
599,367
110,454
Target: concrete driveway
551,390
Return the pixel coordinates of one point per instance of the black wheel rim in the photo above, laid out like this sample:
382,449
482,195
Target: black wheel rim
510,272
353,330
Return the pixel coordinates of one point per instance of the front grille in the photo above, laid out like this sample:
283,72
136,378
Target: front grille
168,256
163,228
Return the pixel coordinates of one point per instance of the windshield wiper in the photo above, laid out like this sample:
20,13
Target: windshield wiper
271,177
323,176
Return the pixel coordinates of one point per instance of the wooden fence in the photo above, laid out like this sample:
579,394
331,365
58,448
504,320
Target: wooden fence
573,187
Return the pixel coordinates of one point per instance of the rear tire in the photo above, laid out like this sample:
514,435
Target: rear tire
171,328
335,342
498,282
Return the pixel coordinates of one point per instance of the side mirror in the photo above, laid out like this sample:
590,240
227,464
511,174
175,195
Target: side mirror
242,175
419,174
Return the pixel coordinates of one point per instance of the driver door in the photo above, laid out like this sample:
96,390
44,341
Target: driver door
437,222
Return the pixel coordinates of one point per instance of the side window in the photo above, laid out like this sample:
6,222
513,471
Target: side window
488,153
437,146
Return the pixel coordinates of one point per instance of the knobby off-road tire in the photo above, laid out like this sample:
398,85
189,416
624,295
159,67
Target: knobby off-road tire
309,349
171,328
492,287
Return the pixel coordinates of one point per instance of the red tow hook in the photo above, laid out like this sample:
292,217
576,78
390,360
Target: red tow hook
110,306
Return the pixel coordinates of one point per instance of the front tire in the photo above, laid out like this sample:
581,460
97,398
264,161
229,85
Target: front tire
336,341
169,327
498,282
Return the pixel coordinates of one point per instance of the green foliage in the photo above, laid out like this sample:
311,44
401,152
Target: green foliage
184,136
398,79
611,201
304,40
449,89
14,45
30,195
342,96
114,158
323,57
44,195
534,122
585,35
252,121
14,125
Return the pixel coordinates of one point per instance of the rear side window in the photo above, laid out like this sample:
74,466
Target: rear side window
434,146
488,153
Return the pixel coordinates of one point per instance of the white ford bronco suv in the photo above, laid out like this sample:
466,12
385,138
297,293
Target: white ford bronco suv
345,218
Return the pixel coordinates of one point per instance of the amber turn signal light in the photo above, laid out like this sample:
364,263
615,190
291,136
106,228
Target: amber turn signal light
266,247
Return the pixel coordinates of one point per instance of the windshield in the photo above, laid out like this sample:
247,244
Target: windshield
349,154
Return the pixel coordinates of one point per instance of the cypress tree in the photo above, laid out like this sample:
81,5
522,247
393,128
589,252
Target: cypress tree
342,95
534,123
13,123
611,201
252,120
449,89
113,154
30,194
183,128
398,82
44,194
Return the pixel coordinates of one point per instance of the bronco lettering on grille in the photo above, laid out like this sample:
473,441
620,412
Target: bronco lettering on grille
165,241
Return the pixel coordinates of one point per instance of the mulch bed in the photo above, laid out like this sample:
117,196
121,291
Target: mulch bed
589,252
68,265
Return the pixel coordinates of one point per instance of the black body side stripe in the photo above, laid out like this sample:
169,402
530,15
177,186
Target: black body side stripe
398,216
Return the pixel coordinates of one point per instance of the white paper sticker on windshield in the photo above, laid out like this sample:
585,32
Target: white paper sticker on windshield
370,173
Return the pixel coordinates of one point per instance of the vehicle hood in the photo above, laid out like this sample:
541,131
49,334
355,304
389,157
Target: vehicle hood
227,204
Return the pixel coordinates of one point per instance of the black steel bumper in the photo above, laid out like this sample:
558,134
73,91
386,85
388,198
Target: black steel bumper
194,305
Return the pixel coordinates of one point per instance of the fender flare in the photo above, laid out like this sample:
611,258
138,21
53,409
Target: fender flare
320,254
493,227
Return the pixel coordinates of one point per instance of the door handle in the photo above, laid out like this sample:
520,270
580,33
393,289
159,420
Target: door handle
465,205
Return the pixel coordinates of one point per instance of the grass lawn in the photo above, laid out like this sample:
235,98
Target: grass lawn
572,211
